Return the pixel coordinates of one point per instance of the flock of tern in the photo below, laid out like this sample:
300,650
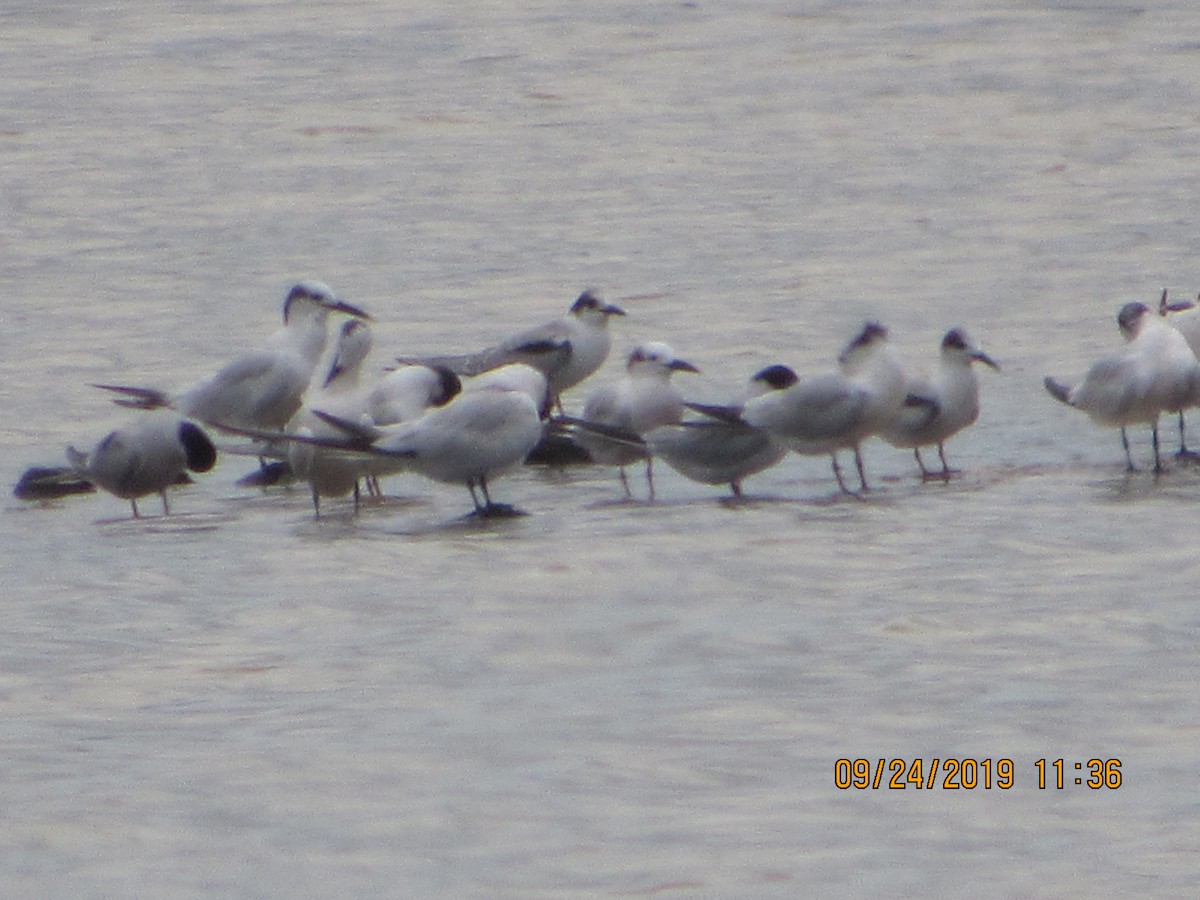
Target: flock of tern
467,419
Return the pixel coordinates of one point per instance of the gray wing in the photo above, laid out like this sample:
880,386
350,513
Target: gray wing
602,406
1109,390
920,409
709,444
258,389
546,347
825,407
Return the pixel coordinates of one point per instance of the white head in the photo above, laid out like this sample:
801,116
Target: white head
350,351
314,299
656,358
1131,318
591,308
958,348
871,338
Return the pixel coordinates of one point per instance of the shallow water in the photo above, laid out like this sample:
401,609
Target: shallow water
602,697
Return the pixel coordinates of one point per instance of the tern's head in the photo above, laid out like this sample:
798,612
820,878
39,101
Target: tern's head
591,308
449,386
658,358
352,348
1131,318
957,347
314,298
198,449
871,336
772,378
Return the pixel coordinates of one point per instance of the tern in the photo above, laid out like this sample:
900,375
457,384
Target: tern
939,406
484,432
328,472
1155,372
263,389
146,456
400,395
566,350
640,401
1189,326
723,450
838,410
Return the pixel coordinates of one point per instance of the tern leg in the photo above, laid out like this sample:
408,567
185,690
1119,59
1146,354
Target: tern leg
945,465
1158,467
650,475
1129,466
166,505
736,487
356,497
858,463
1184,453
474,497
133,503
483,489
316,503
837,473
925,473
625,482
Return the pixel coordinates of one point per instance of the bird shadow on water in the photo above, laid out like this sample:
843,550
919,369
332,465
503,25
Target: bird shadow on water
500,520
175,523
1143,485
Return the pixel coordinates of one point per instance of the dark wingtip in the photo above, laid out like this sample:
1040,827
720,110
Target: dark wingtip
50,483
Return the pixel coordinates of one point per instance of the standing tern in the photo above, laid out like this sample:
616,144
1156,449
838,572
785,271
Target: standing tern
399,396
486,431
723,450
146,456
1155,372
328,472
1189,326
642,400
939,406
838,410
263,389
566,350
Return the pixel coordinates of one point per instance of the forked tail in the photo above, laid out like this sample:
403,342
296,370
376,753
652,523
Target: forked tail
136,397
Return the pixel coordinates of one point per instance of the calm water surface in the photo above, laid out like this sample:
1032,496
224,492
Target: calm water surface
603,698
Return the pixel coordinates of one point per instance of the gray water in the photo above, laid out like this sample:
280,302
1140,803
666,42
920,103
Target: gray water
603,698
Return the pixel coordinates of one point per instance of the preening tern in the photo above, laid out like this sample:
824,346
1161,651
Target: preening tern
147,456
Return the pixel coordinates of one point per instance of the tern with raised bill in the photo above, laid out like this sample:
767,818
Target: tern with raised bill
330,473
1189,326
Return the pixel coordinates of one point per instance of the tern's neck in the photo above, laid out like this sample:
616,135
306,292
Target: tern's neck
306,336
